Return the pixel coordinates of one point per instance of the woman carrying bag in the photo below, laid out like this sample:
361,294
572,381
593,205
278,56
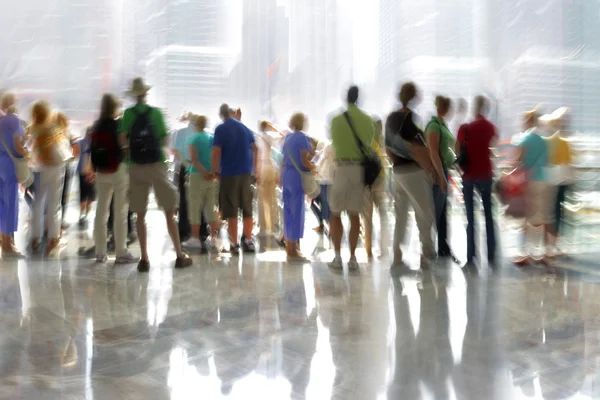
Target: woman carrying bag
296,182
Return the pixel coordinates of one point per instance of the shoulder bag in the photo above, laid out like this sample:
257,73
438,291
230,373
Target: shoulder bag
371,163
22,170
310,186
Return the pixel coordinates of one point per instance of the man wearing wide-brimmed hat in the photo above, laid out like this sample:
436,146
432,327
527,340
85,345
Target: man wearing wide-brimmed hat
144,136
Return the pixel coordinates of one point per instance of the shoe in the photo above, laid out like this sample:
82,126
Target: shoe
143,266
353,264
319,229
101,259
248,246
128,258
12,254
522,261
51,246
192,243
183,261
210,245
234,249
82,223
336,264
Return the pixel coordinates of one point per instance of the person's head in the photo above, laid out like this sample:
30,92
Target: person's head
40,112
298,122
481,106
560,119
109,106
531,118
224,112
200,122
60,120
238,114
443,105
408,93
263,126
352,96
138,90
8,103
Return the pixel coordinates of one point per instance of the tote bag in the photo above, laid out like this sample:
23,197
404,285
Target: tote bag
310,186
22,170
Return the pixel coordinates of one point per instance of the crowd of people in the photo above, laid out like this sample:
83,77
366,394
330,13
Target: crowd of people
122,157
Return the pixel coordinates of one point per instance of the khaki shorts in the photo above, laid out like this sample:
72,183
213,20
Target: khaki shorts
348,189
202,198
540,202
144,177
235,193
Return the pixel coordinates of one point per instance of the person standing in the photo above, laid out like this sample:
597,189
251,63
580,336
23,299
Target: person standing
348,188
478,137
202,186
413,176
533,159
441,144
325,160
61,122
51,151
183,161
143,135
268,212
377,197
106,160
297,153
11,140
234,158
87,191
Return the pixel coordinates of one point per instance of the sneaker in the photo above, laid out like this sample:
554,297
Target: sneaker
248,246
192,243
234,249
353,264
336,264
82,222
132,238
128,258
211,245
101,259
183,261
143,266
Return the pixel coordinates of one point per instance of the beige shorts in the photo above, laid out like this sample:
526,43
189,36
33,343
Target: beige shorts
142,178
202,198
540,201
348,189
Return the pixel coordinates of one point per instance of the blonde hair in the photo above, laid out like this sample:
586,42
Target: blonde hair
60,119
40,112
298,121
200,121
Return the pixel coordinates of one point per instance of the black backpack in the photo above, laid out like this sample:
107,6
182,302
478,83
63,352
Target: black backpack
105,151
144,144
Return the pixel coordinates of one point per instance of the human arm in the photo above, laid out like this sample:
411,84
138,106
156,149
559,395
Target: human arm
196,162
433,144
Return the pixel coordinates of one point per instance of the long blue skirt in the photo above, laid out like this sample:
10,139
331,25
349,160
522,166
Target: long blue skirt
9,197
293,213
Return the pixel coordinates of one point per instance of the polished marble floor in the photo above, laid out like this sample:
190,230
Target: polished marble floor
256,327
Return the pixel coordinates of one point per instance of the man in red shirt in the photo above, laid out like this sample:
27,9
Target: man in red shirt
478,137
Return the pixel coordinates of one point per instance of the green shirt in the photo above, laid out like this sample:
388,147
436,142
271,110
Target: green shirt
156,117
202,142
437,126
342,139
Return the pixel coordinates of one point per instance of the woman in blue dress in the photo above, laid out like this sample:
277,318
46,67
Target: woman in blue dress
12,138
297,152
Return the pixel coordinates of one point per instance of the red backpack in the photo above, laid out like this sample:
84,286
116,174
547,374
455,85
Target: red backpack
105,150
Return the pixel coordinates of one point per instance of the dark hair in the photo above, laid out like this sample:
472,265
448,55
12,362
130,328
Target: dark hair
352,97
482,105
224,111
443,103
108,106
408,92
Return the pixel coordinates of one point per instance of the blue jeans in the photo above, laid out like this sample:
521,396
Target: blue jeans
440,202
321,201
484,187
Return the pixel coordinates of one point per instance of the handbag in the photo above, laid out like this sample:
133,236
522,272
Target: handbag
463,158
22,170
512,190
371,163
310,186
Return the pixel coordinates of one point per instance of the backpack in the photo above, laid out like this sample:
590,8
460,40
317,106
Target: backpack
105,151
144,144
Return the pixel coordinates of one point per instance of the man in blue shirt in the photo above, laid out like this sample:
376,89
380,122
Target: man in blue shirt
234,158
181,152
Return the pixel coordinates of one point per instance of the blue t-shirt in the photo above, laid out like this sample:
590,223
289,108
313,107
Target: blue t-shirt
535,158
203,143
180,141
235,141
10,125
292,149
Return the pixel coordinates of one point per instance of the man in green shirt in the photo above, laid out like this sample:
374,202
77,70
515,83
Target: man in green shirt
348,189
143,135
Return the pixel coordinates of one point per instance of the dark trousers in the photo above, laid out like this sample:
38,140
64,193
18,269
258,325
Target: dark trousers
484,187
561,196
440,201
320,206
65,193
185,229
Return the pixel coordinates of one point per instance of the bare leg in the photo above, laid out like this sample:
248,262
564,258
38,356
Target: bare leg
142,235
174,232
354,233
247,225
232,228
196,231
337,231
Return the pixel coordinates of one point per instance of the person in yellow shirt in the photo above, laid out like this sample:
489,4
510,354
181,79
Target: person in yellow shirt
560,163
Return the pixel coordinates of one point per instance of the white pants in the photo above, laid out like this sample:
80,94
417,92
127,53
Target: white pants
106,185
414,187
376,196
48,195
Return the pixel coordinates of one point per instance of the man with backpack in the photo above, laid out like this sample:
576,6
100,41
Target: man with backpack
143,137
